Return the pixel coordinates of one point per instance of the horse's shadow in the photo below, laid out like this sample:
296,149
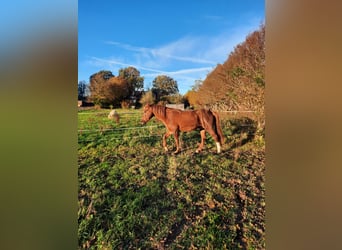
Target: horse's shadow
237,132
242,131
152,141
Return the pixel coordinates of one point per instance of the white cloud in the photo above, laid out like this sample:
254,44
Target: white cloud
128,46
110,62
187,51
187,59
174,50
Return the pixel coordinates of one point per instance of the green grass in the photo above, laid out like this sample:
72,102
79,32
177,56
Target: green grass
132,195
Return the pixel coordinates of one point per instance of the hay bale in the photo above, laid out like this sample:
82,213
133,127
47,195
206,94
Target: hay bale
113,115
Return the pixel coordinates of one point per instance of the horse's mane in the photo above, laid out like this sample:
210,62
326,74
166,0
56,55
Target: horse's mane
159,110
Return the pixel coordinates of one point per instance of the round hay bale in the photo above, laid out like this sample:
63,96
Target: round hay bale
113,115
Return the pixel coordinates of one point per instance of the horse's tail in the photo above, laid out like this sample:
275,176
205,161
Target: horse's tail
218,126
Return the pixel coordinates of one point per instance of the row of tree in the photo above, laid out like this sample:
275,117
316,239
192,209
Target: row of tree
107,89
126,89
237,84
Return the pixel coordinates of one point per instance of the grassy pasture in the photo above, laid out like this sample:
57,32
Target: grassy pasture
133,195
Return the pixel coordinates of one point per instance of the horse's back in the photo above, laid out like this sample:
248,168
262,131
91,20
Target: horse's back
185,120
204,114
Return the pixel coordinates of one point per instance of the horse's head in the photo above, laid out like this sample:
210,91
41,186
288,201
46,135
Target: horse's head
148,114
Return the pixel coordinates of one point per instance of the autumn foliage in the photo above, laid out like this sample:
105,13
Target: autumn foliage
164,89
106,89
239,83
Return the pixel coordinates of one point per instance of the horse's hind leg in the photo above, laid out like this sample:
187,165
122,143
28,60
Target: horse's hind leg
216,139
176,135
200,147
166,135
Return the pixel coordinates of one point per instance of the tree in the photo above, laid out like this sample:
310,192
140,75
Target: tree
197,85
98,86
191,98
82,90
176,98
163,87
101,76
147,98
106,89
192,95
238,83
135,83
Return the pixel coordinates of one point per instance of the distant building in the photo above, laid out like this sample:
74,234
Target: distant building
176,106
81,103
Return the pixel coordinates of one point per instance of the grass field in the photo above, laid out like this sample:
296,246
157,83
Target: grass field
133,195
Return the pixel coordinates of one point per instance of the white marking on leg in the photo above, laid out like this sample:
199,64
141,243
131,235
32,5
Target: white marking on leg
218,145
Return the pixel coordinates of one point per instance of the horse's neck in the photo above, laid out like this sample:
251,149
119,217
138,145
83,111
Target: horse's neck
160,113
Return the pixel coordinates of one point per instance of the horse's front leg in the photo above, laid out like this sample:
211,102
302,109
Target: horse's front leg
200,147
166,135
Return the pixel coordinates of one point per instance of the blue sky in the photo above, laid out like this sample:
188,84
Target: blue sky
182,39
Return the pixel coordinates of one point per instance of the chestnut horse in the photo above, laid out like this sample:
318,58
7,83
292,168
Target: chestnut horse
176,120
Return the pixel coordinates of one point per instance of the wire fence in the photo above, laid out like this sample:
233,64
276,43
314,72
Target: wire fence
116,138
107,112
99,134
139,112
117,129
111,135
122,133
